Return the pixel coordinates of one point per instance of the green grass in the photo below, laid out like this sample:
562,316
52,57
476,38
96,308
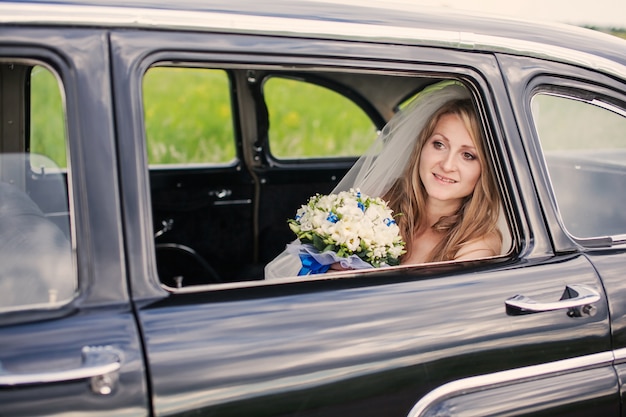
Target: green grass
188,116
309,120
47,129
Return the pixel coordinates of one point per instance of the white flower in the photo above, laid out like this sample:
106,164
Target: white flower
350,223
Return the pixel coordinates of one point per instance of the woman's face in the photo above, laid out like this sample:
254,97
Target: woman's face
449,166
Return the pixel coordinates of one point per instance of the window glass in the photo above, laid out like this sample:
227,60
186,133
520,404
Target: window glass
584,145
47,125
188,116
35,245
307,120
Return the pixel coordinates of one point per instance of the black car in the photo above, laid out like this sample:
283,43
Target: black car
152,152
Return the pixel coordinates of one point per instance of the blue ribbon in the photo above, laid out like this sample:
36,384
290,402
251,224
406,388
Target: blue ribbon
310,266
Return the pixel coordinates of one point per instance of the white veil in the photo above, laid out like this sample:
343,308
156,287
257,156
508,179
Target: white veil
375,172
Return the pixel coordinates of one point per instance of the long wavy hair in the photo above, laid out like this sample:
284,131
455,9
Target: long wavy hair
478,214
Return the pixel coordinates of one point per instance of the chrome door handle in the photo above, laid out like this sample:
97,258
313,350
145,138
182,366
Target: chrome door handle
577,299
100,364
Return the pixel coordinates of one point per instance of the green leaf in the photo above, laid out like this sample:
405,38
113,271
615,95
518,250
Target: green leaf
318,243
329,247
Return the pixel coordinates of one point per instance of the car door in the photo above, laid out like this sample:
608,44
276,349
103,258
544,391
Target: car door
68,338
580,122
387,342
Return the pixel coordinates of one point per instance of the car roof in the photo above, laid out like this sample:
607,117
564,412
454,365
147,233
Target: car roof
366,20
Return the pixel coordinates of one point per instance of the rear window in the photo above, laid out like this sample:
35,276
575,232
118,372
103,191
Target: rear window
311,121
188,116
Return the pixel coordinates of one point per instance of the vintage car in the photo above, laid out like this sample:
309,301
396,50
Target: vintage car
152,152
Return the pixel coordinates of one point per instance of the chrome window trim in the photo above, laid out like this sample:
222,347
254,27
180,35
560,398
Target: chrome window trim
514,376
608,106
129,17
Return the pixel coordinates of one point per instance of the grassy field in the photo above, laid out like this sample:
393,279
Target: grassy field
188,116
333,126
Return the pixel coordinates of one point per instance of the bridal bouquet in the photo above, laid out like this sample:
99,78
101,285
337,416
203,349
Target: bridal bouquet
350,228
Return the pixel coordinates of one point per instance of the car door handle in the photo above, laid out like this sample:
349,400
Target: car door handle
100,364
577,299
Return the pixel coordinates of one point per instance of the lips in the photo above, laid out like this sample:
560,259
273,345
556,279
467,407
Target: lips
445,180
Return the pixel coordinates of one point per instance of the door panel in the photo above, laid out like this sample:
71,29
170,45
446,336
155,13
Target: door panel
209,212
585,165
77,352
359,345
48,366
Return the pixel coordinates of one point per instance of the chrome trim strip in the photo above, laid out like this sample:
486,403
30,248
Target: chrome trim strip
503,378
618,239
619,356
129,17
609,107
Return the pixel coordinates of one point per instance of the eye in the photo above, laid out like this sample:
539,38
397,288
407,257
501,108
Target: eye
468,156
438,144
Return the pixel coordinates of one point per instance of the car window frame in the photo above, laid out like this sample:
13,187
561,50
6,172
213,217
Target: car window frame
585,91
91,176
492,149
135,53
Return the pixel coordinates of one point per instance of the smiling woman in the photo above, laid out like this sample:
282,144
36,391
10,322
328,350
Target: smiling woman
447,193
431,167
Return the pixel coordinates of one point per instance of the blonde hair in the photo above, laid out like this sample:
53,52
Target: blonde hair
478,214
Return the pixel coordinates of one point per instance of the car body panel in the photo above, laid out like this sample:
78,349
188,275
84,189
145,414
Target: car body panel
285,347
45,350
399,341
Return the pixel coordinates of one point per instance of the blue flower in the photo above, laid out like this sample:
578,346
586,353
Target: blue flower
332,217
389,222
361,206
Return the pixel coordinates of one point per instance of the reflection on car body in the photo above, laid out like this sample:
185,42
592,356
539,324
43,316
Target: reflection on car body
165,146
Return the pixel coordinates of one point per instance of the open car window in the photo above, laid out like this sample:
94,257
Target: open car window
297,134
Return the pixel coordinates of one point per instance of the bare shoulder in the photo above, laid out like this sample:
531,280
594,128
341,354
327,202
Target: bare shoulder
488,245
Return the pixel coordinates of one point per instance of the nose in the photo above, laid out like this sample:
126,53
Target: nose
447,162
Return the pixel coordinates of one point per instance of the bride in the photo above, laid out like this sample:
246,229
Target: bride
430,164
